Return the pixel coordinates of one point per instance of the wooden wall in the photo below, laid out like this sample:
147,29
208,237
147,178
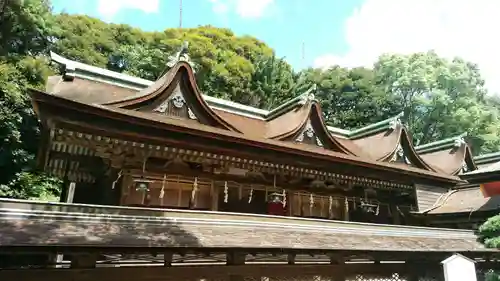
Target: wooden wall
427,195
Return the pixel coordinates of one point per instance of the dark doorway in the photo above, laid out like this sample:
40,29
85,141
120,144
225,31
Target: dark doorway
258,204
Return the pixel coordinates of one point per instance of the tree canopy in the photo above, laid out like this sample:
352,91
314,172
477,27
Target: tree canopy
440,98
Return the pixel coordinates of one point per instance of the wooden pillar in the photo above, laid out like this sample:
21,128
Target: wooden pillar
109,195
236,258
289,203
83,261
396,219
214,192
167,258
67,195
337,260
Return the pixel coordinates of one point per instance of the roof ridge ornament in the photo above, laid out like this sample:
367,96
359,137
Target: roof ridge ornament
396,121
309,95
460,140
181,55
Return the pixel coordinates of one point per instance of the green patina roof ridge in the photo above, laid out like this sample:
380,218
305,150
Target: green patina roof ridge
448,143
487,158
76,69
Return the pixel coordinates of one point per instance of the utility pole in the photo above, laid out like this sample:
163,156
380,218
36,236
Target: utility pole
303,53
180,13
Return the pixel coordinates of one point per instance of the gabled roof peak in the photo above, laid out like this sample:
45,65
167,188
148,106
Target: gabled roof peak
389,123
488,158
300,100
74,69
180,56
449,143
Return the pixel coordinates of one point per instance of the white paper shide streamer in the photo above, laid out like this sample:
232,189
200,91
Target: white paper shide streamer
250,196
284,198
195,189
226,193
162,191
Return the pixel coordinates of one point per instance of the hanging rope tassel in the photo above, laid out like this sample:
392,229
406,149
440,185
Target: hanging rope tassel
226,192
195,188
120,173
346,209
250,196
399,211
330,206
311,203
162,191
378,210
284,198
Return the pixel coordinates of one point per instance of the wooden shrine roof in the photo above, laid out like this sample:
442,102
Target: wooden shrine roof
464,200
469,198
28,224
90,115
385,141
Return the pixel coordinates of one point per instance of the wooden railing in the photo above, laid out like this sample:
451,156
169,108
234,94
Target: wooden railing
11,207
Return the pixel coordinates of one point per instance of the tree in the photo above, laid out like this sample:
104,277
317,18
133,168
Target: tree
24,27
489,235
349,97
24,38
226,64
440,98
271,84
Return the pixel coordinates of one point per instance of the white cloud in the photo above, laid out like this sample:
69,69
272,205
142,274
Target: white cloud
243,8
463,28
109,8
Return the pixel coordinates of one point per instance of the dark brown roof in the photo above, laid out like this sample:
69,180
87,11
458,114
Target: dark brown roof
466,200
159,122
381,145
449,160
43,224
87,91
288,123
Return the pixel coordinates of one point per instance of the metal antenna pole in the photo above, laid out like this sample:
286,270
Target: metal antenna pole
303,52
180,13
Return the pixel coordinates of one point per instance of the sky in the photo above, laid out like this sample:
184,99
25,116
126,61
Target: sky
322,33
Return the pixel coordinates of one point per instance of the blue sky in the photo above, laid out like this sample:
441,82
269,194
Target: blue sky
282,24
336,32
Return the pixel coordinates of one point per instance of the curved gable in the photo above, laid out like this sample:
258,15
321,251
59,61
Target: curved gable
406,151
451,156
175,94
380,145
330,141
391,142
306,125
288,124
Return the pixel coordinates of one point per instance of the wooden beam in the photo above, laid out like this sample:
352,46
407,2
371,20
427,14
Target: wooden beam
154,273
83,261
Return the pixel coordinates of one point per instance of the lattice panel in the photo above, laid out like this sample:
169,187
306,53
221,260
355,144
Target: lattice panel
394,277
295,278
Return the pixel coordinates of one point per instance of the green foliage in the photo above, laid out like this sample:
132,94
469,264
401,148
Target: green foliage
24,27
489,232
440,97
349,97
19,132
23,36
491,276
489,235
32,186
